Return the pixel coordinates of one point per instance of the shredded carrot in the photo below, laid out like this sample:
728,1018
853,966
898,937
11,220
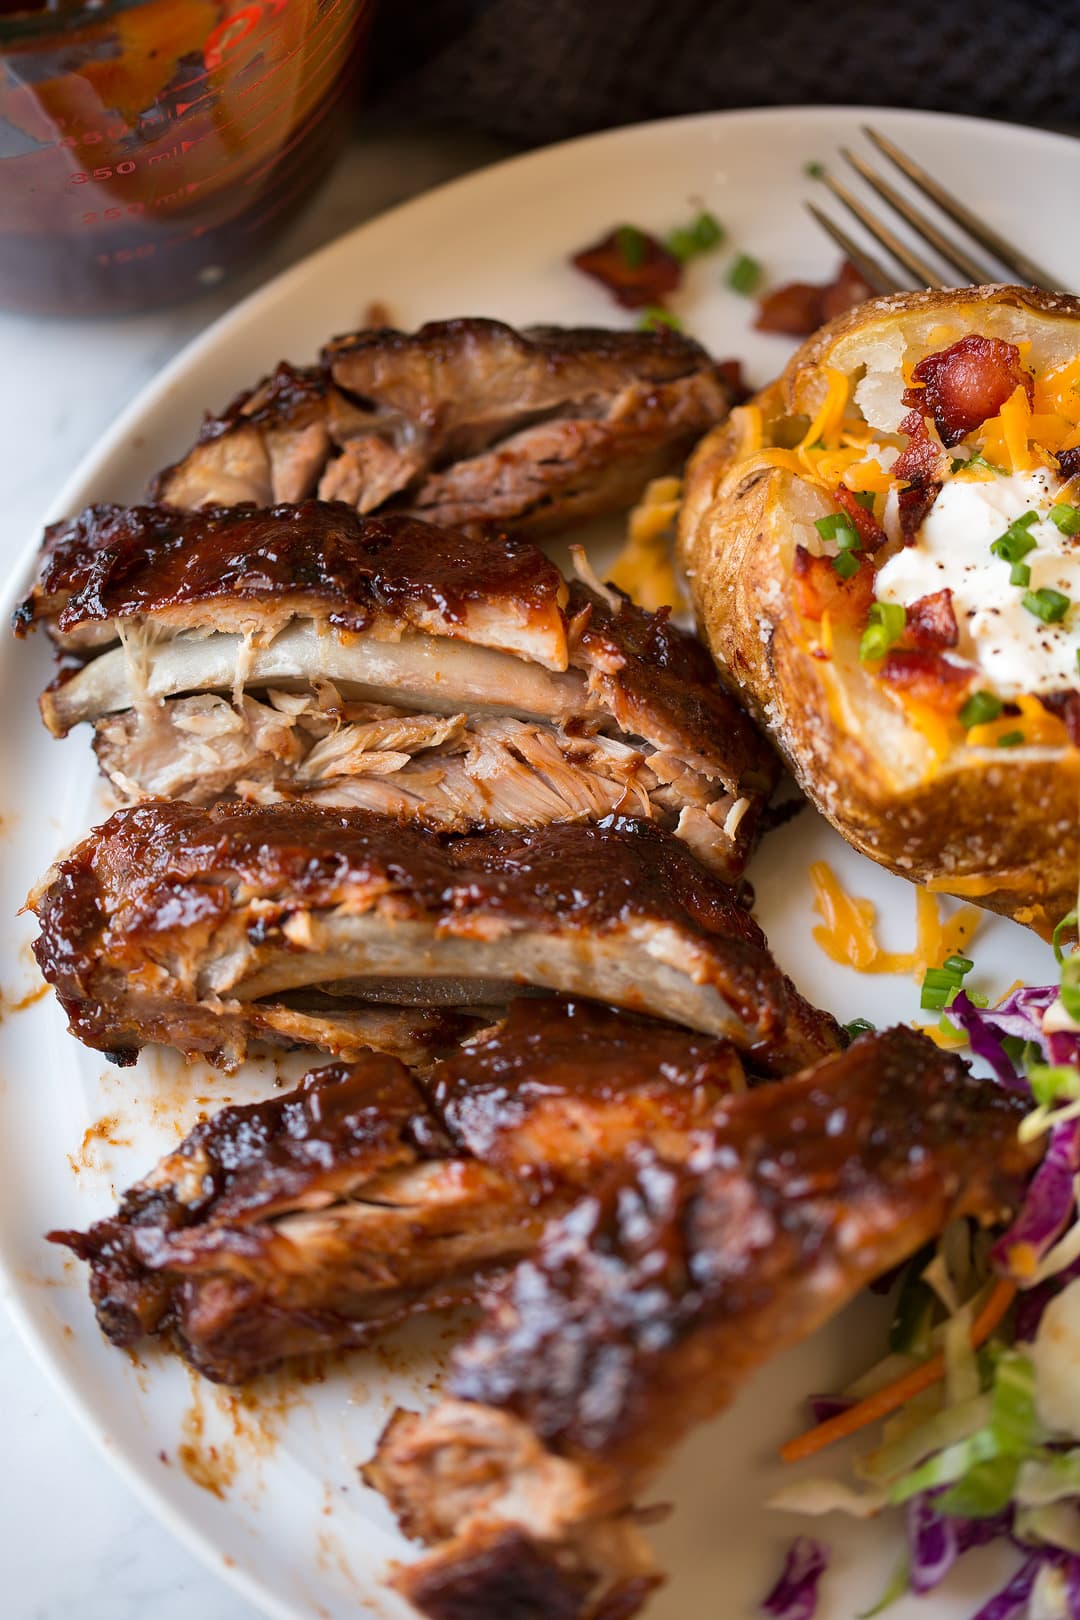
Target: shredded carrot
897,1394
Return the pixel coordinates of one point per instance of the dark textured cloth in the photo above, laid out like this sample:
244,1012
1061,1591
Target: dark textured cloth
538,70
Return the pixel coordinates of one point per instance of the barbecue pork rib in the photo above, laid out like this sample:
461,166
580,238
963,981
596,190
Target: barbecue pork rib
381,664
313,1219
196,928
465,422
648,1305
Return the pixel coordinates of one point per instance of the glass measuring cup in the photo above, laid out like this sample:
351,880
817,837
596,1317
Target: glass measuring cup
149,147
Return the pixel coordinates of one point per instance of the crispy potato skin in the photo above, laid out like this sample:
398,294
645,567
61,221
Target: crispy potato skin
1002,831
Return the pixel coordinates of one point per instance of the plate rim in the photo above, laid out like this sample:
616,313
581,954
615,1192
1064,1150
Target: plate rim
136,1471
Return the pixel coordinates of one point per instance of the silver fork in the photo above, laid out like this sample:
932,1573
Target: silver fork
971,270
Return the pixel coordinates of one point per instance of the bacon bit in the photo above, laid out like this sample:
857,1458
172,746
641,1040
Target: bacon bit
819,589
923,464
931,623
1069,461
800,307
731,374
867,527
1066,706
634,281
966,383
927,677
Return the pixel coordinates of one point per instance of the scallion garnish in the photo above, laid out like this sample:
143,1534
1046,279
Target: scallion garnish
1020,574
655,315
630,244
1010,739
1015,543
846,564
1066,517
884,627
681,243
814,170
859,1026
941,984
1048,605
707,231
865,498
977,459
838,526
744,275
980,708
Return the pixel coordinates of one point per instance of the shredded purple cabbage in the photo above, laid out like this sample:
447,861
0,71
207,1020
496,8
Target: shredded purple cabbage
1072,1589
932,1544
824,1407
795,1595
1048,1206
1011,1601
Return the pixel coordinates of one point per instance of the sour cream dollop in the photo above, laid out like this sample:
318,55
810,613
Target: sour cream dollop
1015,651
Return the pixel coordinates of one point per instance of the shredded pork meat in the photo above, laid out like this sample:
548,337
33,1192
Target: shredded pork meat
464,422
307,654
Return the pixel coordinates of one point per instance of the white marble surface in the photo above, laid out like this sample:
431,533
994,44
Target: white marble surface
74,1541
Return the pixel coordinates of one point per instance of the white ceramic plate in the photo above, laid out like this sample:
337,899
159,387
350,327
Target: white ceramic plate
265,1487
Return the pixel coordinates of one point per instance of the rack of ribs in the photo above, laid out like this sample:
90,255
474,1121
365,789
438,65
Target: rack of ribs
464,422
304,653
313,1219
648,1305
203,929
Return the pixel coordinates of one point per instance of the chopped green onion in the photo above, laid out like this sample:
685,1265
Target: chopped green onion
814,169
846,564
1048,605
655,316
1068,921
1020,574
681,244
707,231
980,708
1066,517
744,275
1015,542
1010,739
631,246
1070,986
884,626
977,459
859,1026
1053,1082
865,498
958,964
947,1027
838,526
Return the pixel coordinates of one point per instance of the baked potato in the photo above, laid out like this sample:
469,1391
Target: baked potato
883,550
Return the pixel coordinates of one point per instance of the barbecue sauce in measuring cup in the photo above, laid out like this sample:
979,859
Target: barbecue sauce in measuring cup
149,147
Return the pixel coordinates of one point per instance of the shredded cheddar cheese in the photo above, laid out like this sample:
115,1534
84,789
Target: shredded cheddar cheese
644,568
1041,729
846,931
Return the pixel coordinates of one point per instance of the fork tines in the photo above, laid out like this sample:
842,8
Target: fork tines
970,268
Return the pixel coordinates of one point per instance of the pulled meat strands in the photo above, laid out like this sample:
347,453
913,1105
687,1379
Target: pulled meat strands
311,1220
183,926
381,664
464,422
649,1304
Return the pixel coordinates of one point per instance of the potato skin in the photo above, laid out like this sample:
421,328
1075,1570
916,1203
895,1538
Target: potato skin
1004,831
